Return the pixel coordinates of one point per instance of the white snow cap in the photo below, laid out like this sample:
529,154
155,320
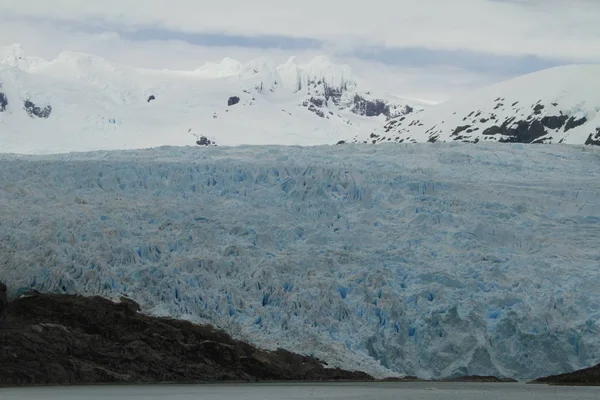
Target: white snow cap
227,67
100,105
13,56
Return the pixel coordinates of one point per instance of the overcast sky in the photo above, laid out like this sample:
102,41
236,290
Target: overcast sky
428,49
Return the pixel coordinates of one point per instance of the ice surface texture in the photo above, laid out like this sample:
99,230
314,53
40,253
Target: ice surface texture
427,259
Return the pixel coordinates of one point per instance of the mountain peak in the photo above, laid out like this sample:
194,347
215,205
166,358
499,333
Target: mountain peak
290,73
227,67
90,103
556,105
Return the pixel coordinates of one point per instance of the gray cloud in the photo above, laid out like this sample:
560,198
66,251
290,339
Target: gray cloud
430,48
226,40
548,29
155,33
508,65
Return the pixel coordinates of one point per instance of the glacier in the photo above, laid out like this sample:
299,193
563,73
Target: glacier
434,259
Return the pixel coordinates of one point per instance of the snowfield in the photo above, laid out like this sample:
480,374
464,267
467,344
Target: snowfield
422,259
92,104
81,102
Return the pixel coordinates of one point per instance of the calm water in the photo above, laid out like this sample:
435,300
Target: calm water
378,391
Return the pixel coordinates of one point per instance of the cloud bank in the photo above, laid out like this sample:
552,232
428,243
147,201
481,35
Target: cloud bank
471,42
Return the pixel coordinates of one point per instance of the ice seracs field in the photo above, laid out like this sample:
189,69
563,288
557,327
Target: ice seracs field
432,259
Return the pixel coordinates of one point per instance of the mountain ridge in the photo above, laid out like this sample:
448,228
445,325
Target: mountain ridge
556,105
93,104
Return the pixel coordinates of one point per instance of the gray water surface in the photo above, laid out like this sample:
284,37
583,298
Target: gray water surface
366,391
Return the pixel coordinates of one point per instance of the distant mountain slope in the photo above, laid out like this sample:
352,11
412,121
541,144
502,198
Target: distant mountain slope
586,376
557,105
82,102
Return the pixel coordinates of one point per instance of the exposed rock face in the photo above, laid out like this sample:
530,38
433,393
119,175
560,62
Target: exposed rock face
35,111
587,376
594,138
321,96
315,104
374,108
3,100
233,100
204,141
370,108
63,339
530,131
505,122
477,378
132,305
3,300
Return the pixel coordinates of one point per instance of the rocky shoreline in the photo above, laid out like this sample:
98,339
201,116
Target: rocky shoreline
480,379
55,339
49,339
583,377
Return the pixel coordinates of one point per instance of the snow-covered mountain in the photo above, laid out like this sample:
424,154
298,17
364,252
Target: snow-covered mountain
81,102
429,259
557,105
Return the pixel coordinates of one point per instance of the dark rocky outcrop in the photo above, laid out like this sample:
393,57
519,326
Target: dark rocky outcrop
3,300
587,376
524,132
310,104
554,121
543,124
204,141
408,378
460,129
537,109
370,108
574,123
66,339
132,305
3,100
517,132
322,97
481,379
316,101
594,138
374,108
233,100
333,93
35,111
531,130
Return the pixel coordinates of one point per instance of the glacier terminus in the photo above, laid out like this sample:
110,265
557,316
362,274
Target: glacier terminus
433,259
